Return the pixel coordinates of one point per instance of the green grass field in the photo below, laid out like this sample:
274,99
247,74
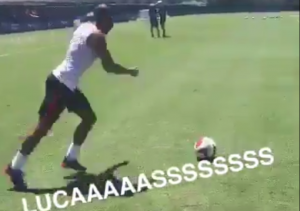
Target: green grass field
223,76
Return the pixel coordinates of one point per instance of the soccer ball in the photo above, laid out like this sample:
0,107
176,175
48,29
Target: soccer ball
205,149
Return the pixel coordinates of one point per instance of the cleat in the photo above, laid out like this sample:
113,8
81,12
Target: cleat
72,164
16,177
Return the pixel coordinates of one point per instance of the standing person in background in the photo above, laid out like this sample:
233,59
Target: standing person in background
153,20
162,12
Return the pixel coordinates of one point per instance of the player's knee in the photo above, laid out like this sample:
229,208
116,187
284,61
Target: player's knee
32,140
41,131
93,119
44,126
90,119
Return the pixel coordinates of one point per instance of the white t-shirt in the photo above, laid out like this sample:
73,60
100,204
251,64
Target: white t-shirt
78,59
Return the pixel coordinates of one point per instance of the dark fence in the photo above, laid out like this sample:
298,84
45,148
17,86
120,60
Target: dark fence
42,16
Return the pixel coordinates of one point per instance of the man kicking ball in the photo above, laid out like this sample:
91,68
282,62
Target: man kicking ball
87,44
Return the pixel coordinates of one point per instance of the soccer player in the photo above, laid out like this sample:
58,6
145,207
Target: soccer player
162,12
87,44
153,20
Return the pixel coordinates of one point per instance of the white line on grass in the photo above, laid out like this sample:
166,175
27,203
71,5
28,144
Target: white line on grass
4,55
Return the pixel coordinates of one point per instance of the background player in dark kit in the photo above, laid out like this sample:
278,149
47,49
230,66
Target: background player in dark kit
162,12
153,17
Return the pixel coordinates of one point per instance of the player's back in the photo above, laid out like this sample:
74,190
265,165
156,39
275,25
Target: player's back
79,57
162,11
152,12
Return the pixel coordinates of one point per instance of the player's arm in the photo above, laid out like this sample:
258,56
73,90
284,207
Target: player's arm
97,42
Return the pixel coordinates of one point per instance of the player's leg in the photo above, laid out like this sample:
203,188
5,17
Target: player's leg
49,112
41,115
79,105
162,25
154,26
157,28
152,31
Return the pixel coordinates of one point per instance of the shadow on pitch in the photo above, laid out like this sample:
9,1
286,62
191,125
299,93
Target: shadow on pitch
166,37
82,181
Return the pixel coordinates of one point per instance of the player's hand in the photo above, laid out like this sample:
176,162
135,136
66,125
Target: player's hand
134,72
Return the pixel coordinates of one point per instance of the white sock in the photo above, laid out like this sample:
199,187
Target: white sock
73,152
18,161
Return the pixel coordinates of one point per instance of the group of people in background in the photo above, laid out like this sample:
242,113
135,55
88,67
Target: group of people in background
158,17
157,14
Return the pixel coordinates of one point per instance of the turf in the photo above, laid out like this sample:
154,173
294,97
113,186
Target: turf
223,76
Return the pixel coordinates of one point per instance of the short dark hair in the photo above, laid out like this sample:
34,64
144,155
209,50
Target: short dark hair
101,11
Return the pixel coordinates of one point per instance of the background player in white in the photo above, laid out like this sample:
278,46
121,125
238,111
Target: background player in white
87,44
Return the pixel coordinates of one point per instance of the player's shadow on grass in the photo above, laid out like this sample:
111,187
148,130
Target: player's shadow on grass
83,180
